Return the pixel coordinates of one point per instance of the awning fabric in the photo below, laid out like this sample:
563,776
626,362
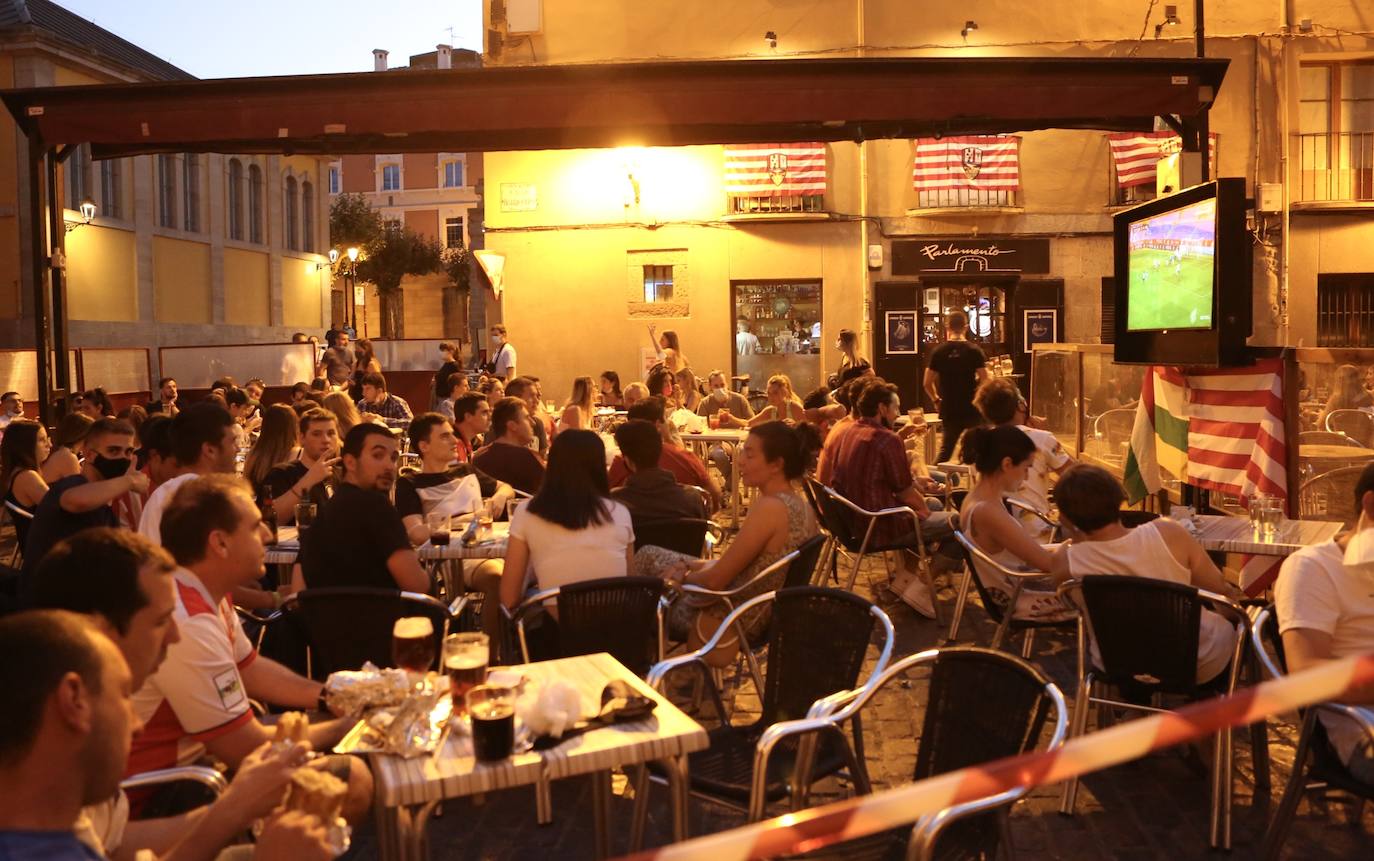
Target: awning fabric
659,104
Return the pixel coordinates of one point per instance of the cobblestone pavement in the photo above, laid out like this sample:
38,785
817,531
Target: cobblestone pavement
1155,808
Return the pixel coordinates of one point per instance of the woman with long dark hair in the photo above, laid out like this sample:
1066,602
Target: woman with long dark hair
23,449
276,444
67,444
610,390
571,530
669,348
774,458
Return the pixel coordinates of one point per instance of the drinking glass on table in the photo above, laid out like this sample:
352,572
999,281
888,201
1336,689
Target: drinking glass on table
305,517
511,505
466,656
491,709
438,525
412,643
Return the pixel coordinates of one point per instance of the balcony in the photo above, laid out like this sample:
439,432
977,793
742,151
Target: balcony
965,199
775,207
1336,171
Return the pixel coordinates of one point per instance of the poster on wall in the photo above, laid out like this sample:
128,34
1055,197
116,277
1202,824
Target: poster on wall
900,327
1038,326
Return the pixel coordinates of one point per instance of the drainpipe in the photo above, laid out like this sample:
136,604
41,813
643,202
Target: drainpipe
865,325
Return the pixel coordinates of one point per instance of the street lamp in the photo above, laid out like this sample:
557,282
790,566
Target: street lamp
349,270
87,210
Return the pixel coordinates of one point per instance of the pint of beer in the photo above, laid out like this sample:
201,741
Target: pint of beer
465,662
412,644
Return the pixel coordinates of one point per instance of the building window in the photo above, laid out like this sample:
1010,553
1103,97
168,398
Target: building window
453,233
190,191
1345,310
255,204
453,174
391,177
112,188
78,177
235,199
292,215
967,171
658,283
1336,131
334,178
307,216
167,191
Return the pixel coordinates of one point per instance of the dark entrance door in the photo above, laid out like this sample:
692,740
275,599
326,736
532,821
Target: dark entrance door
897,359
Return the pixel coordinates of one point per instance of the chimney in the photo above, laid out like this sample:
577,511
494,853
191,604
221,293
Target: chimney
379,60
444,56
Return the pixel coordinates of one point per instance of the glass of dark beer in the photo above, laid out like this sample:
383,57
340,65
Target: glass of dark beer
438,528
305,517
492,711
465,662
412,644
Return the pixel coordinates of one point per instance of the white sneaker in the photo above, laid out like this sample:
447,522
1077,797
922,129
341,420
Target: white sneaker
912,589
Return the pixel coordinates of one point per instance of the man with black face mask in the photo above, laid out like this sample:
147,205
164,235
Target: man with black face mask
81,501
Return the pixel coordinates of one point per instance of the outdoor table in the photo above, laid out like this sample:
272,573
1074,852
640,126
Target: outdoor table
1226,534
408,790
1334,453
702,440
287,548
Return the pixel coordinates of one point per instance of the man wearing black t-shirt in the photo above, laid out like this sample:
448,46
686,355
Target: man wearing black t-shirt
358,538
509,457
433,438
953,373
309,477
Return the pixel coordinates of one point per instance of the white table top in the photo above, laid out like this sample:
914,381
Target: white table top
718,435
454,772
1220,532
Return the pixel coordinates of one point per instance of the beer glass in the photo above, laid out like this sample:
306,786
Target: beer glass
438,524
305,516
491,709
412,643
465,662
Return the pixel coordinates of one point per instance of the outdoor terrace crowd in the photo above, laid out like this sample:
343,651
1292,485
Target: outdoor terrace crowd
141,545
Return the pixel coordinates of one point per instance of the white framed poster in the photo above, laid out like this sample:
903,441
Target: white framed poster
899,327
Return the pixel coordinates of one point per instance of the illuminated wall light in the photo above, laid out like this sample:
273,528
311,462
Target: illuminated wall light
969,27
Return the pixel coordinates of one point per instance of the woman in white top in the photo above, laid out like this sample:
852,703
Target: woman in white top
668,348
1002,456
571,530
1090,501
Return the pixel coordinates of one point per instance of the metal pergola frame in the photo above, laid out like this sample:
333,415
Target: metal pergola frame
582,106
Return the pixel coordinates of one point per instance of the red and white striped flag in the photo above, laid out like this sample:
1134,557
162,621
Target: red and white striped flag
1137,154
762,170
982,162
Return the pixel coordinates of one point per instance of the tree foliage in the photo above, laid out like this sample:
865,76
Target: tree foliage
353,222
395,253
457,264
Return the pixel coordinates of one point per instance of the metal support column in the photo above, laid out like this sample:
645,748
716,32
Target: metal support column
57,240
38,251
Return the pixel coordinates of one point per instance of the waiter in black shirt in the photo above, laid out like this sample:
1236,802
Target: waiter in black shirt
358,538
953,373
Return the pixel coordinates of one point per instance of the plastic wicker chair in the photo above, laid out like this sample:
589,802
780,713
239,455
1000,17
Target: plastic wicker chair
982,705
619,615
681,534
1356,424
346,626
1146,632
975,563
1330,496
17,516
748,766
1315,762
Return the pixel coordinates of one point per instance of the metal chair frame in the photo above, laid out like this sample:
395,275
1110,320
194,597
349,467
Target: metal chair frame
535,603
1326,437
1222,758
1298,784
13,511
1008,621
773,735
830,714
1360,416
873,517
1306,512
206,777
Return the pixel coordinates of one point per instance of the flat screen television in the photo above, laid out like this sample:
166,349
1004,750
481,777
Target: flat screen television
1182,273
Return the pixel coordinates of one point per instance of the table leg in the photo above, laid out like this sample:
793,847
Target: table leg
601,812
677,789
417,841
543,800
734,488
388,833
641,811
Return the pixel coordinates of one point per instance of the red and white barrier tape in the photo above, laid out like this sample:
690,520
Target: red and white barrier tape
864,815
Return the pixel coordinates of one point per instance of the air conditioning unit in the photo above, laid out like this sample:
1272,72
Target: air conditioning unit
524,17
1177,170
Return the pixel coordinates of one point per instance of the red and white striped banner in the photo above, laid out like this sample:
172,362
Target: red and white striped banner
859,817
763,170
1137,154
982,162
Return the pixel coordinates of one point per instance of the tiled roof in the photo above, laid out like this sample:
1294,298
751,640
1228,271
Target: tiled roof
51,18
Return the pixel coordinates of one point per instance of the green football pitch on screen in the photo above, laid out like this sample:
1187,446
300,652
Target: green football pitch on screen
1169,291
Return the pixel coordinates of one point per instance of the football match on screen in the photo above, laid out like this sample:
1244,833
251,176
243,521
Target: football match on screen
1171,269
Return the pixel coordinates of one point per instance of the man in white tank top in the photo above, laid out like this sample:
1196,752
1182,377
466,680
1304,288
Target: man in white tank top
1090,500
